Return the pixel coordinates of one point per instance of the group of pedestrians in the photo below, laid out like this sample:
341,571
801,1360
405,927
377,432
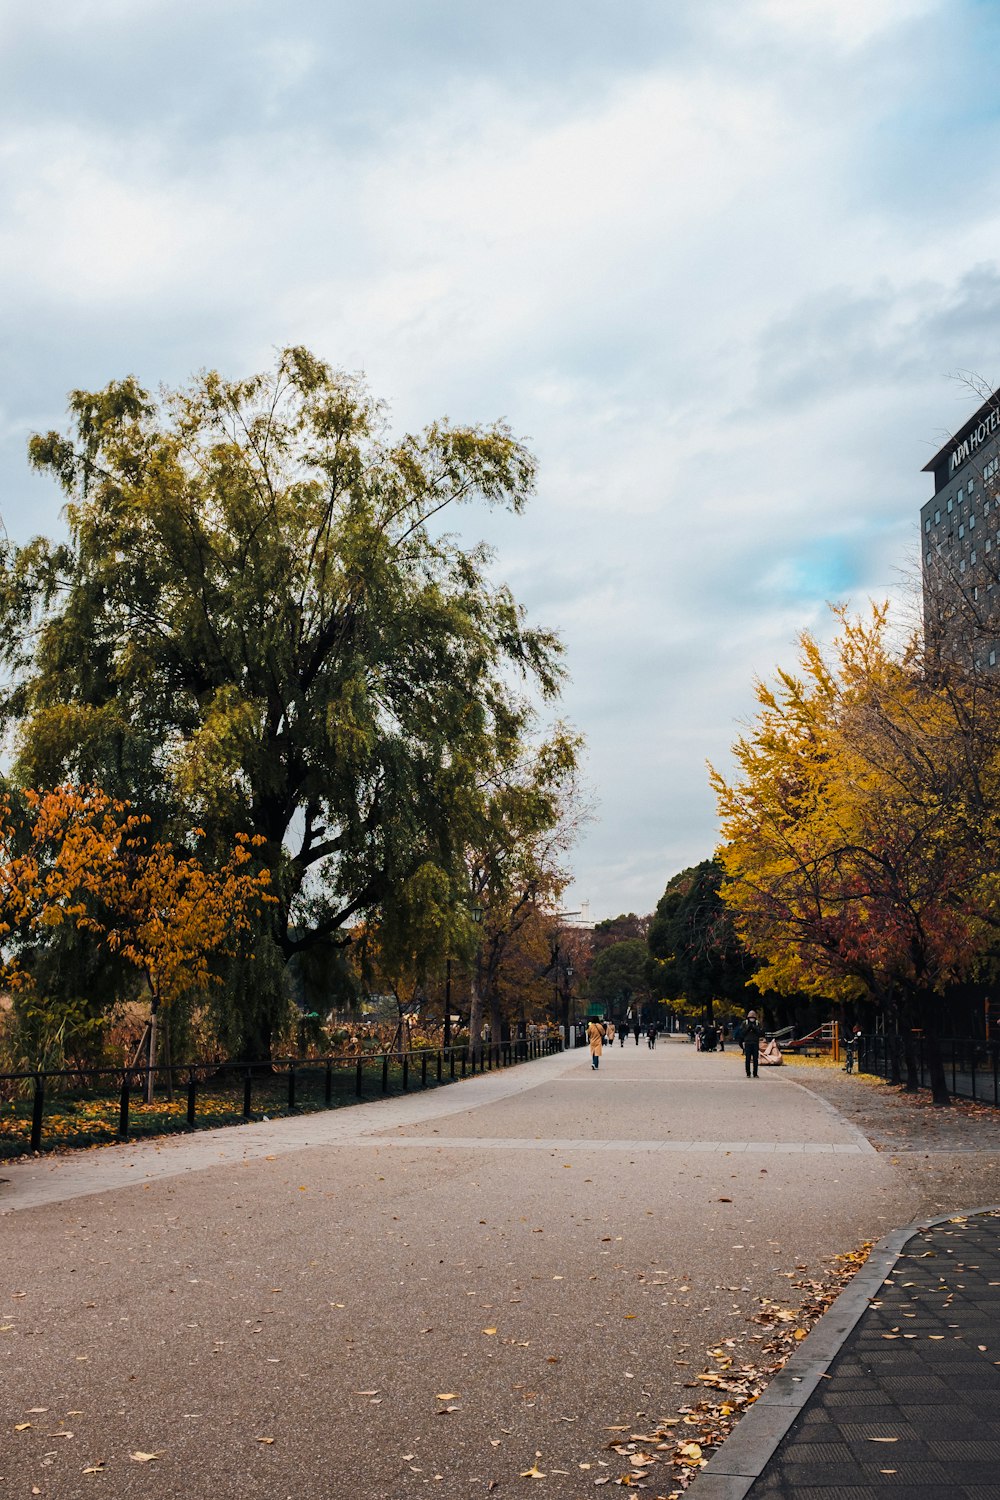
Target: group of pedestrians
601,1032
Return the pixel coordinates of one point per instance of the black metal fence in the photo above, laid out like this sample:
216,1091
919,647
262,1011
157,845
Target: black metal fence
75,1107
972,1068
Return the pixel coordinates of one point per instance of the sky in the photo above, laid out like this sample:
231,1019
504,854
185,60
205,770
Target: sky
726,266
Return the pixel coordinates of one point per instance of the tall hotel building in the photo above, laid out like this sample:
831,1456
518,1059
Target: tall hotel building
960,535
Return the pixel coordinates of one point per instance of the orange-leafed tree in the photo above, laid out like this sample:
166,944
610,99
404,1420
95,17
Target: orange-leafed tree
81,856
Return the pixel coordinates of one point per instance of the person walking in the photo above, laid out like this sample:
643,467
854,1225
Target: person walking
651,1034
751,1044
621,1036
595,1040
638,1029
609,1033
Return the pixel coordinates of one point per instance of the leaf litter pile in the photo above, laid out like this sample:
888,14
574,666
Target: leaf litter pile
684,1443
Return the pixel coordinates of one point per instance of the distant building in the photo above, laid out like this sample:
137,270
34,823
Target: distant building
960,535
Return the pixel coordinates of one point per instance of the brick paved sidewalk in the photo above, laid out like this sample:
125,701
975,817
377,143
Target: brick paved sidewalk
910,1405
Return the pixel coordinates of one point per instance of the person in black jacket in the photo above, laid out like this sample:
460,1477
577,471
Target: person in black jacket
751,1043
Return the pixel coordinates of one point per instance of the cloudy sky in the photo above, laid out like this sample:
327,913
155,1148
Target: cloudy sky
722,263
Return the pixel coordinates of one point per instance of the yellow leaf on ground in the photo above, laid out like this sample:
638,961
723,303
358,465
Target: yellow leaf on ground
800,1333
489,1331
533,1473
268,1441
447,1396
146,1458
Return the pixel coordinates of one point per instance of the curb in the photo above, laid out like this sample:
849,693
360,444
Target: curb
739,1462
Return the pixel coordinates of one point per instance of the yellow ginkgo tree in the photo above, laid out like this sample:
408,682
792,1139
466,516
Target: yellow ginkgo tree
860,837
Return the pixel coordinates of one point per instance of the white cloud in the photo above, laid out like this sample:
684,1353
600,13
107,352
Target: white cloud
693,261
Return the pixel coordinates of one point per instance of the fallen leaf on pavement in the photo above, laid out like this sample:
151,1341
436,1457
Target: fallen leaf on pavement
146,1458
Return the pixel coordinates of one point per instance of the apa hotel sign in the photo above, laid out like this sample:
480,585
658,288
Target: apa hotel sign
970,440
963,451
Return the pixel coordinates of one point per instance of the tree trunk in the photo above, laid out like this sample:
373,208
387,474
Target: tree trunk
940,1092
927,1011
910,1054
496,1019
168,1057
151,1058
475,1012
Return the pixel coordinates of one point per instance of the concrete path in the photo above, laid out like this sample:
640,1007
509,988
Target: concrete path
443,1292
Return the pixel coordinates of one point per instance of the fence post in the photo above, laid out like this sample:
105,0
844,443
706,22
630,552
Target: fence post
123,1106
463,1064
192,1088
972,1064
37,1110
406,1071
440,1064
385,1072
423,1070
291,1088
246,1094
358,1077
328,1084
451,1061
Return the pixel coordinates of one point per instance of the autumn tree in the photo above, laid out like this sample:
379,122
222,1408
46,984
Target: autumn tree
516,867
84,859
860,833
258,624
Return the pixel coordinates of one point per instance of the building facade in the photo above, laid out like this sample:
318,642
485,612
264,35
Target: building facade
960,536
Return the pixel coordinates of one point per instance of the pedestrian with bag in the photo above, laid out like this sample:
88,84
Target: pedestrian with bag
595,1040
751,1044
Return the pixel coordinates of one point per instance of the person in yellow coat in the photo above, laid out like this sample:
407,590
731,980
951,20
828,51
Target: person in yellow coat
595,1040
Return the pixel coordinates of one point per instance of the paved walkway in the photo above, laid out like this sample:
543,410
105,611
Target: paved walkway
896,1391
474,1290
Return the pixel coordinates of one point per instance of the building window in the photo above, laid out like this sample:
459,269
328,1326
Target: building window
993,658
972,522
951,505
927,524
960,496
972,557
972,484
961,566
989,545
937,518
961,531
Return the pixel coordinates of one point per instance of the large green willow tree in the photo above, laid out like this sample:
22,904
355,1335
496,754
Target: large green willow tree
259,624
